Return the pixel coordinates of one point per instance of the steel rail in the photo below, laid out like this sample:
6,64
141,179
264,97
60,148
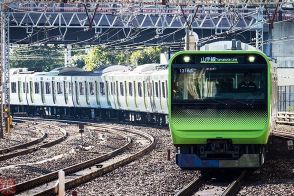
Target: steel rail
235,186
85,178
38,181
193,186
24,145
35,148
198,182
285,118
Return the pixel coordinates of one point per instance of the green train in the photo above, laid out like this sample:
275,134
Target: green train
222,106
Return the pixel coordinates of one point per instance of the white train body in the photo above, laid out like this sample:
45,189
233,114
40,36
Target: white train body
115,88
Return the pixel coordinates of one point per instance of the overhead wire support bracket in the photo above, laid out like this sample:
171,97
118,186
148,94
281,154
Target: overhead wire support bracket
90,19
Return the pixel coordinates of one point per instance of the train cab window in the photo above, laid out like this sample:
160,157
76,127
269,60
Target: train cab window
140,89
59,89
47,86
13,87
37,87
91,86
163,89
121,89
156,89
130,89
102,88
81,87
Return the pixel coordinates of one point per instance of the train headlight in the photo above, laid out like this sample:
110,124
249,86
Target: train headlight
251,59
187,59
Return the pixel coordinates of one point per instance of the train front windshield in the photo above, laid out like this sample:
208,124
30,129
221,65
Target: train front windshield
220,85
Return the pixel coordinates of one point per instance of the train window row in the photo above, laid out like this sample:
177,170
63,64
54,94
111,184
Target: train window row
149,88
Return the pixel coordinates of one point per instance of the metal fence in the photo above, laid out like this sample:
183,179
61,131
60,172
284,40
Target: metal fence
286,98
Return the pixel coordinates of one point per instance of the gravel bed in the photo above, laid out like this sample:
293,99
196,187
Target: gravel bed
152,174
155,175
62,155
286,128
20,134
276,176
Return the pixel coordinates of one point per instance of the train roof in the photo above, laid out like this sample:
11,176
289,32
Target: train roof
112,69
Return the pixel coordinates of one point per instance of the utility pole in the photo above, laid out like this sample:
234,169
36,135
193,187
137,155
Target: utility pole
67,55
4,69
187,40
1,73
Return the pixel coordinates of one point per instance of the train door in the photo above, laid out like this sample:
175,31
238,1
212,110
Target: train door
31,91
107,93
117,95
65,90
77,93
159,94
145,94
87,93
152,97
135,94
42,92
97,93
166,95
19,90
126,95
53,91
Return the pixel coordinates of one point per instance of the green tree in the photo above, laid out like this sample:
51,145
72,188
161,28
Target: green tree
147,55
96,58
37,58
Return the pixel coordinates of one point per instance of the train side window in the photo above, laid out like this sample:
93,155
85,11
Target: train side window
166,89
140,89
86,88
24,87
111,88
81,87
121,89
59,89
37,87
70,88
19,87
47,86
114,88
130,89
156,89
163,89
102,88
13,87
91,86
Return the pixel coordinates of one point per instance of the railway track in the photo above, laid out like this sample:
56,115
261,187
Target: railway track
87,170
195,186
286,118
43,142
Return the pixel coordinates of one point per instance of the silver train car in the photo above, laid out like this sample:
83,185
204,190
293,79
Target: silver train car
114,92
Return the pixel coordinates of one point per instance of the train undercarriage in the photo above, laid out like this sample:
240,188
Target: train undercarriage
93,114
220,154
